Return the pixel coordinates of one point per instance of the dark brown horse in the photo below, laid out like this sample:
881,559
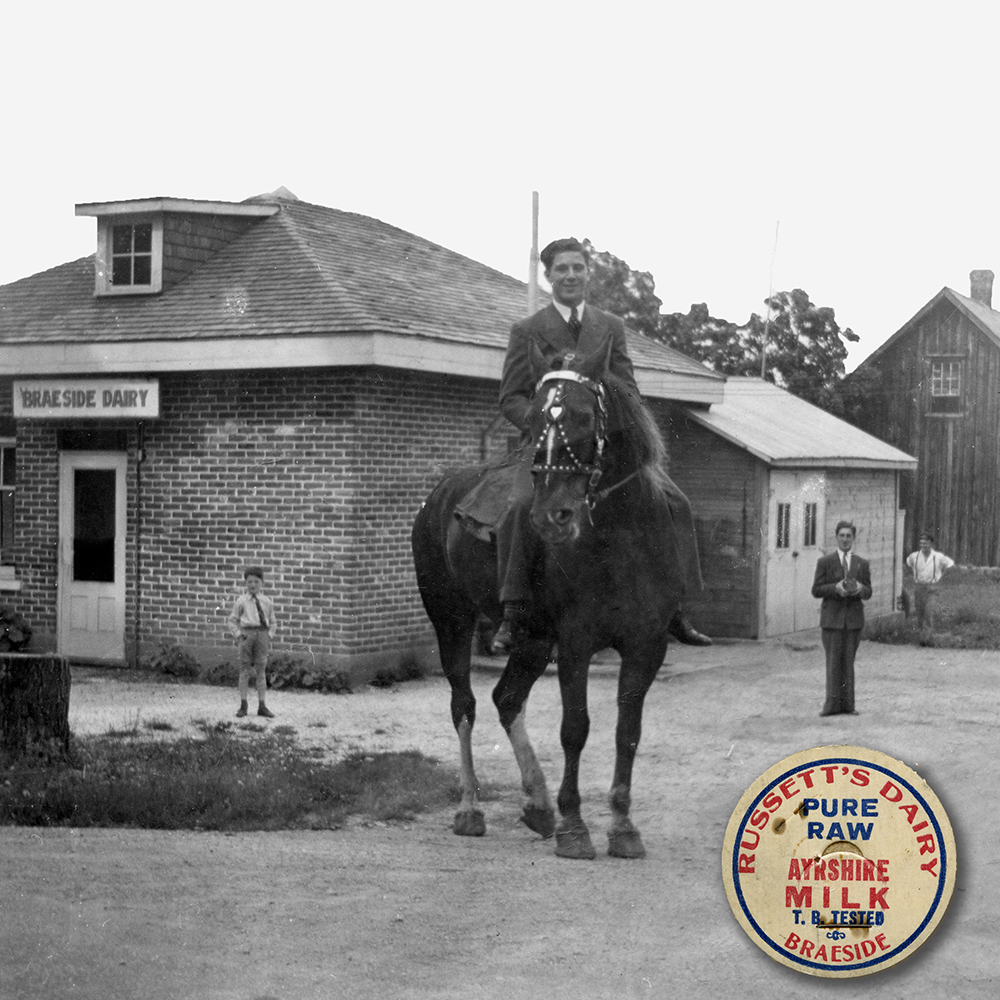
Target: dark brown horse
608,577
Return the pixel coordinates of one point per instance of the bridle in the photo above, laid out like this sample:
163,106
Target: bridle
553,436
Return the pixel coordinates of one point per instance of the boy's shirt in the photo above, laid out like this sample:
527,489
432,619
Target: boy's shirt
244,614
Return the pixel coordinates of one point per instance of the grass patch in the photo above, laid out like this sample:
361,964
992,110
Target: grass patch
967,615
228,779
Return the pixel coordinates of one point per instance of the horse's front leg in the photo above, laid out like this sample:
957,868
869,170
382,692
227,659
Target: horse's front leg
637,672
526,664
572,835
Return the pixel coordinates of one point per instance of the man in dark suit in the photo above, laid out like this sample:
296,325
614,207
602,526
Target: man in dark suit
843,581
566,327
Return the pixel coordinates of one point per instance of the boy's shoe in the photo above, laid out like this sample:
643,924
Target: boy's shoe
242,711
265,711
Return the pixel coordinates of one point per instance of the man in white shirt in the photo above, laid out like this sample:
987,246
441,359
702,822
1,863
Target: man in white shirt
927,566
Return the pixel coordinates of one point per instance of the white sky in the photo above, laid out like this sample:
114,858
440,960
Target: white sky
677,140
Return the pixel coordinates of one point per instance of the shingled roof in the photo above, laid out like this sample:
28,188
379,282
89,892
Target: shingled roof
787,432
306,270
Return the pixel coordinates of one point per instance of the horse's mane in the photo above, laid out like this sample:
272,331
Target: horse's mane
637,439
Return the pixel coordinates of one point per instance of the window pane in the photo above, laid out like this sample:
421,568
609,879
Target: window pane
143,238
121,239
809,535
94,525
121,271
8,469
7,519
784,525
142,273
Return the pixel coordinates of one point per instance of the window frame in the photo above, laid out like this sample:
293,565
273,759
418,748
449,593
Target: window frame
945,385
105,255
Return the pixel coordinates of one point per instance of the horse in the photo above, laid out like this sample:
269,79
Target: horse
608,577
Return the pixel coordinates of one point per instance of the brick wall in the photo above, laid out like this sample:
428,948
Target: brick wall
315,474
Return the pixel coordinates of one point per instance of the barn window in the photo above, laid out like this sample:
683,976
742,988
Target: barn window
946,386
784,534
809,532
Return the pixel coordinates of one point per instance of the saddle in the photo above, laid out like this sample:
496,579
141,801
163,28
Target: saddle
481,509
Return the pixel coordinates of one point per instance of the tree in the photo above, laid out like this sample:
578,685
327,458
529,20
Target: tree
805,347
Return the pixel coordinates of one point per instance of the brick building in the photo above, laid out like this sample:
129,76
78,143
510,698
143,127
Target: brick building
263,382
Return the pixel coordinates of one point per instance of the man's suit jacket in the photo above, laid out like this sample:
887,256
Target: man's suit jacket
837,611
550,332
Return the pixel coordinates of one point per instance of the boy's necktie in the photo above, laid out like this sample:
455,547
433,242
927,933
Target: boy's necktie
260,612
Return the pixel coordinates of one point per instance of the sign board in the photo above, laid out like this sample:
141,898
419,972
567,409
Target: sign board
839,861
88,399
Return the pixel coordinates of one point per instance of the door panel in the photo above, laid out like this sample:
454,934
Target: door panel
92,525
796,516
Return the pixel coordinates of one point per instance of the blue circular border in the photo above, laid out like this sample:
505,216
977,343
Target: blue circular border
826,967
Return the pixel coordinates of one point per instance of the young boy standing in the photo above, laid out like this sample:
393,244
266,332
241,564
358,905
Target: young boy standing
251,623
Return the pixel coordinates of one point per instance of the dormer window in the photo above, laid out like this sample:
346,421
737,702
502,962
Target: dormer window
132,254
129,255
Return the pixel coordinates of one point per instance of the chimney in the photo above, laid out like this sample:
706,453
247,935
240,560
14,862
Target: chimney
982,287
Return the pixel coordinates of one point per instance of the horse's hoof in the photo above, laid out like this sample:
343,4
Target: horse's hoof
575,844
626,844
542,821
470,824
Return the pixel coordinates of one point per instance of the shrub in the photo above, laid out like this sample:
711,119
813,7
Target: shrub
172,660
408,669
15,632
285,670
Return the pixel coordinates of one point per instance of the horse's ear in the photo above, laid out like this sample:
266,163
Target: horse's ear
537,361
595,366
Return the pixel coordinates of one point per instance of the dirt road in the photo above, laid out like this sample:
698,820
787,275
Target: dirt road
377,911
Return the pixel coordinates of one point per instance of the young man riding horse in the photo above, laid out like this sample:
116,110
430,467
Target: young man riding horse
565,329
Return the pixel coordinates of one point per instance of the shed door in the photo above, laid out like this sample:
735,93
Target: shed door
92,529
795,531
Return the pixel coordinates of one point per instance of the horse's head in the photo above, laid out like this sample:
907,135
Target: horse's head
568,420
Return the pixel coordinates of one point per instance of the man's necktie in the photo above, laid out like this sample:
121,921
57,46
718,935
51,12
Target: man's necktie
260,612
574,324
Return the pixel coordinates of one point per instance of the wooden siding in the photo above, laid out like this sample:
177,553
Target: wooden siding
191,239
867,498
953,492
725,485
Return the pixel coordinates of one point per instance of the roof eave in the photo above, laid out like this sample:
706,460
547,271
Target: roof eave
190,206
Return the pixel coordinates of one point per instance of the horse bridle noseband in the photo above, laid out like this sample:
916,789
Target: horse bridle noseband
554,411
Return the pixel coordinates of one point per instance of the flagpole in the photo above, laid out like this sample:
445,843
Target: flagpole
770,295
533,257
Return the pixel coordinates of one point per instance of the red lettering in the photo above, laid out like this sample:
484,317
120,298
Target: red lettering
786,790
883,869
821,953
801,897
845,902
746,864
910,810
834,953
890,792
753,846
794,870
771,802
806,776
860,777
880,938
793,942
877,896
830,771
929,867
926,843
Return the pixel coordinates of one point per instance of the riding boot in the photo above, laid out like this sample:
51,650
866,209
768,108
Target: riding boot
514,614
683,631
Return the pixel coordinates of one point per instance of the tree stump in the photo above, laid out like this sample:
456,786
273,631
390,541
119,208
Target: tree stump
34,701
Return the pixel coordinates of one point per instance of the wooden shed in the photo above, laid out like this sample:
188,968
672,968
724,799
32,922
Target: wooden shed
769,476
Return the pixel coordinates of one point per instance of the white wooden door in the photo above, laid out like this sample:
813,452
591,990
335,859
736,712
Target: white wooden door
92,526
796,512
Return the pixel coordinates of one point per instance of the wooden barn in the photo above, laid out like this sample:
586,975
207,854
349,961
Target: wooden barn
933,390
265,382
769,476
